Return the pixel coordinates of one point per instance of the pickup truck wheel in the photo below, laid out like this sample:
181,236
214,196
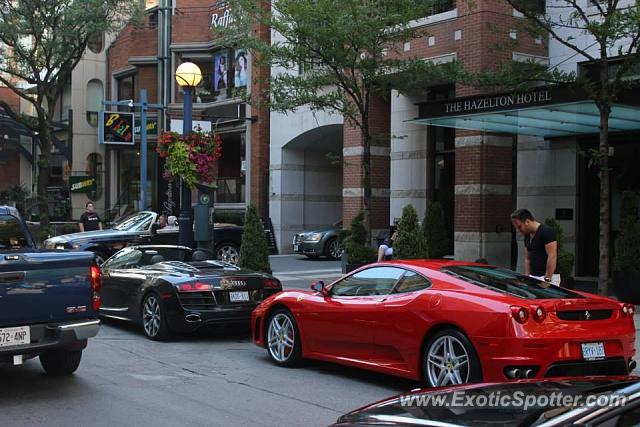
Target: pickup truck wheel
61,362
153,320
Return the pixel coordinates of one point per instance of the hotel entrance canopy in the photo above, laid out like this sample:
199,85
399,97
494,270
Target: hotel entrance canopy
545,112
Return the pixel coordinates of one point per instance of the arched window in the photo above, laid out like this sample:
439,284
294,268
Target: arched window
96,43
95,94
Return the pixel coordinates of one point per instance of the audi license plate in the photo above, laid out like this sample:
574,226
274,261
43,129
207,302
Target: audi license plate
295,248
19,335
593,351
239,296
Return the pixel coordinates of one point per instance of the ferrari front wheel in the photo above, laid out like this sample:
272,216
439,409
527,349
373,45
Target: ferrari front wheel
450,359
283,339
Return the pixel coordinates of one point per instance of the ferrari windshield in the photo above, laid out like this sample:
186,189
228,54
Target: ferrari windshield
136,222
508,282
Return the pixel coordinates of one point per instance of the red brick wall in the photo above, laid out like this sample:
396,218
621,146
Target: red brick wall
10,97
353,172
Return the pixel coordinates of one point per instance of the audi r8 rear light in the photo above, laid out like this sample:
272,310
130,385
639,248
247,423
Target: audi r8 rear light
520,314
194,287
627,310
272,284
538,313
94,279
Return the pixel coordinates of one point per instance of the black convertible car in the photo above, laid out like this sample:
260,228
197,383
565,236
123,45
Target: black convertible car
138,228
170,289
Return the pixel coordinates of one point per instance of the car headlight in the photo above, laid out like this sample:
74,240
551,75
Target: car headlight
313,237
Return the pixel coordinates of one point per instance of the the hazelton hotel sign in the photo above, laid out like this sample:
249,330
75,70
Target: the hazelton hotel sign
499,102
502,101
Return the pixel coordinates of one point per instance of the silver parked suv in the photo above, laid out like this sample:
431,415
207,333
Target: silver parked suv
319,242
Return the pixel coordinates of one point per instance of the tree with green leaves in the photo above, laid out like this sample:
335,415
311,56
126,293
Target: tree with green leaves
334,56
354,242
435,232
41,42
254,252
410,243
608,40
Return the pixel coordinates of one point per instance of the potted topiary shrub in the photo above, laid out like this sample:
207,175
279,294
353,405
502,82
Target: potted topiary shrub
565,258
354,241
410,243
254,252
626,261
435,232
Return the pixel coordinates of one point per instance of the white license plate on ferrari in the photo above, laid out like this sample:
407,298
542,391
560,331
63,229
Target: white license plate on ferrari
19,335
593,351
239,296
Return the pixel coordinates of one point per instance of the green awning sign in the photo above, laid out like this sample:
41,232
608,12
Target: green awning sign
82,184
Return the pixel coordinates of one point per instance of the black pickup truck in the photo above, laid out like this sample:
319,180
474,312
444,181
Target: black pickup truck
49,300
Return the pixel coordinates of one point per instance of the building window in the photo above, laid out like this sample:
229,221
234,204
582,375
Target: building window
440,6
93,167
65,103
125,87
536,6
95,96
218,74
96,43
232,169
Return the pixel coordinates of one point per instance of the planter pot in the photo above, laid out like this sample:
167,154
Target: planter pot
626,286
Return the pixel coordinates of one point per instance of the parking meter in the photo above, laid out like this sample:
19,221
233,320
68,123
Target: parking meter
203,213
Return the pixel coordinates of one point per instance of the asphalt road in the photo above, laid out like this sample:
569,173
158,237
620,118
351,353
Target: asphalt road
206,379
210,379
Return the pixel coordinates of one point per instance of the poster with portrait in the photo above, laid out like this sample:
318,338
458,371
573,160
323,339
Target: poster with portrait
221,72
240,68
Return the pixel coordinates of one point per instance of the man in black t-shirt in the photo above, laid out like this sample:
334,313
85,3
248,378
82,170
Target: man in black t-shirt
540,247
89,220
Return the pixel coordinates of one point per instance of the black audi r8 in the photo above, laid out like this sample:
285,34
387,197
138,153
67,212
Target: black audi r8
174,289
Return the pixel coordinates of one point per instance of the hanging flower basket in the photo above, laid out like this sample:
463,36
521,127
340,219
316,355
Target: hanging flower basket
193,158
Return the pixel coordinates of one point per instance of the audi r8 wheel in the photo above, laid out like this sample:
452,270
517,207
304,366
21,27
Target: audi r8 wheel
227,252
154,322
449,359
283,339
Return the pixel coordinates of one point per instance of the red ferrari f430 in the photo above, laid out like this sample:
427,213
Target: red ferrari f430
448,322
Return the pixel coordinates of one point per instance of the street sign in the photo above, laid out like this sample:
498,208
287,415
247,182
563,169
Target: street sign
82,184
116,128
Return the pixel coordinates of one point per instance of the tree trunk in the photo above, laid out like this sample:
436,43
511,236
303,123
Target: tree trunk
44,160
366,176
605,235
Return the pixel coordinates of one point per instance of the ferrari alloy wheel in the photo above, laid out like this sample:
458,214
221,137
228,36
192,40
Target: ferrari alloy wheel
334,251
153,320
227,252
283,339
449,359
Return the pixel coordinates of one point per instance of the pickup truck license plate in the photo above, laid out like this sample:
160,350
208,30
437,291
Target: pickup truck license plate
593,351
19,335
239,296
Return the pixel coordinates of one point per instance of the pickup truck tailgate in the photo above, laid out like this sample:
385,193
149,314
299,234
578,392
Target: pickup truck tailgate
44,286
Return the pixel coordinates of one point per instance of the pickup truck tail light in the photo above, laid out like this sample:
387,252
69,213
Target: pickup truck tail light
96,285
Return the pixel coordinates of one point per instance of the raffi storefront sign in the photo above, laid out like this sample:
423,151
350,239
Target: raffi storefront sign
221,19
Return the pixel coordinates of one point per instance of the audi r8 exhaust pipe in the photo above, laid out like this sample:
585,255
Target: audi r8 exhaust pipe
529,373
632,365
192,318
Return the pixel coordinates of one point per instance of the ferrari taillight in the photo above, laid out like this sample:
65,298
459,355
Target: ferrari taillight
94,279
273,284
194,287
520,314
628,309
538,313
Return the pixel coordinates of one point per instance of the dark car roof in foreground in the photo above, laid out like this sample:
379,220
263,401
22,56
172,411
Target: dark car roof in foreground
416,408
